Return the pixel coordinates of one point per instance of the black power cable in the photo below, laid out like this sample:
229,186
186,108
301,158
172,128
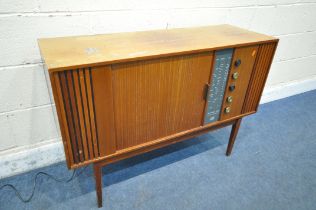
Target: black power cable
18,194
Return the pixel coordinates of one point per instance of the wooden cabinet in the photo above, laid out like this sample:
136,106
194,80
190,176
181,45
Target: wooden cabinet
119,95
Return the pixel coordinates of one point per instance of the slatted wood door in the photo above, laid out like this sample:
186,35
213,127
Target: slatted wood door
160,97
84,105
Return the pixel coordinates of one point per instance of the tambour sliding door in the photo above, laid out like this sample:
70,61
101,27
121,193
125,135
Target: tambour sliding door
159,97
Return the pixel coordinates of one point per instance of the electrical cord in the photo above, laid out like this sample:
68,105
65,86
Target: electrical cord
18,194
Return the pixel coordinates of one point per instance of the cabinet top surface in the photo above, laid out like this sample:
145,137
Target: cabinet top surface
83,51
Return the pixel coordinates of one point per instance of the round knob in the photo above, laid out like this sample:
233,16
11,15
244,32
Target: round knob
235,75
232,87
227,109
237,62
230,99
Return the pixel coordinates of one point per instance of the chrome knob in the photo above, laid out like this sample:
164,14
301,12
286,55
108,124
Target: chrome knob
229,99
235,75
227,110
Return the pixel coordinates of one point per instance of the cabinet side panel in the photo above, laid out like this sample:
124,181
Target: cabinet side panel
160,97
259,76
59,101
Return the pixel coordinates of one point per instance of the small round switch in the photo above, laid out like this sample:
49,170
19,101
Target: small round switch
235,75
227,110
232,87
229,99
237,62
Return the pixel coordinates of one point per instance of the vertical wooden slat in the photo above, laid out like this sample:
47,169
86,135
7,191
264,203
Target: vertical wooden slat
70,123
86,113
72,97
78,107
91,112
80,111
61,113
268,62
104,112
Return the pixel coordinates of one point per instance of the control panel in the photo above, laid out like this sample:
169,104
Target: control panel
238,80
232,69
217,88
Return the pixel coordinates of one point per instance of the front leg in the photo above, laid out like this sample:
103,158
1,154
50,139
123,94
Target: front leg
98,182
233,135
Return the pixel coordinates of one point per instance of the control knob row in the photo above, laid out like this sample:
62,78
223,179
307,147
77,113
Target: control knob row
232,86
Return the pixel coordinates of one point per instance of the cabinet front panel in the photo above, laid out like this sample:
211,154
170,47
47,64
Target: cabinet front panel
160,97
238,80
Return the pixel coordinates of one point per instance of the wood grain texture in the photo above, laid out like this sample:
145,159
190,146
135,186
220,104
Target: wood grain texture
157,98
259,76
59,102
69,116
87,51
86,113
74,112
75,106
104,111
91,111
247,56
81,119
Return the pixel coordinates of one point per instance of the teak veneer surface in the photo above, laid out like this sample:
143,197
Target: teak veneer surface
94,50
158,98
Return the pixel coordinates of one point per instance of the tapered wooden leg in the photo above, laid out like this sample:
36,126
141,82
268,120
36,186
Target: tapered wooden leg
98,182
232,137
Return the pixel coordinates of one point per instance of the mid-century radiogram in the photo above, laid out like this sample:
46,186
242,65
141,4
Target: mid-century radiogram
119,95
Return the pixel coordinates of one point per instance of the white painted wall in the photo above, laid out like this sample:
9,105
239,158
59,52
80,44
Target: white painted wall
27,126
